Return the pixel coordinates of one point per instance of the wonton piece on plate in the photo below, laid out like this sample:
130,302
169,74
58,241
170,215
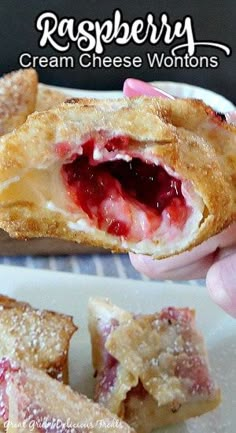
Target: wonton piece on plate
152,370
38,338
146,175
18,92
49,98
34,402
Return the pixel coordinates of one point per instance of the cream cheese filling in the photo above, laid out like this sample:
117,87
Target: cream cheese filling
45,187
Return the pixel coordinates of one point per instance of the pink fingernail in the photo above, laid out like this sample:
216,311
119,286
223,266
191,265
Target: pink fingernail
221,298
231,117
133,87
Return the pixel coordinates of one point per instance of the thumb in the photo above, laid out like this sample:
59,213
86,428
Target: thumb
221,282
231,117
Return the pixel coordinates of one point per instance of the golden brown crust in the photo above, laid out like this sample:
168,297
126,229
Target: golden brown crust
48,98
39,338
7,303
139,346
100,311
150,415
18,91
184,134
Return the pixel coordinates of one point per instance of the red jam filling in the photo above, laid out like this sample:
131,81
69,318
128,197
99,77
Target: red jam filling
123,198
5,369
173,315
107,376
106,379
195,371
190,366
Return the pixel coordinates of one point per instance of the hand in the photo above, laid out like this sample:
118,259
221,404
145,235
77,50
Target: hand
214,260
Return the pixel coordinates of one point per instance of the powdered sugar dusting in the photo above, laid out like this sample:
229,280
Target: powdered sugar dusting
39,338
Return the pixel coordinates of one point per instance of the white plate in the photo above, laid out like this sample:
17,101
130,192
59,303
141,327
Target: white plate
69,294
182,90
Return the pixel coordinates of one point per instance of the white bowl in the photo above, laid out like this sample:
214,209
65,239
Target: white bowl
182,90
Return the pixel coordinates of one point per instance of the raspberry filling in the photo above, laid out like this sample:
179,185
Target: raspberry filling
107,376
125,197
173,315
190,366
193,370
6,368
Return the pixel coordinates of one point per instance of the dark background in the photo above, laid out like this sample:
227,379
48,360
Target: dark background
214,20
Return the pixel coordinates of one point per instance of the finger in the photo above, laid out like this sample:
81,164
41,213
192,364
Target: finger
221,283
134,87
227,238
192,262
231,117
169,266
168,269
